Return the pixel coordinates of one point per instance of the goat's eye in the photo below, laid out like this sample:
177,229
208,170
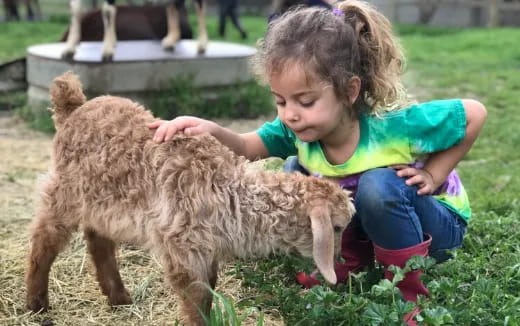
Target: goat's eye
337,229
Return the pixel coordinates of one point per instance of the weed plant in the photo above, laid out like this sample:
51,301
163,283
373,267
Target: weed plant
224,312
40,119
244,101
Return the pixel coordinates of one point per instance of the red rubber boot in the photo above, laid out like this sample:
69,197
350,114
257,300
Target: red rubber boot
357,252
411,286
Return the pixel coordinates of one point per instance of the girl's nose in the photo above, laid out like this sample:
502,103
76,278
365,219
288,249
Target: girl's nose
291,112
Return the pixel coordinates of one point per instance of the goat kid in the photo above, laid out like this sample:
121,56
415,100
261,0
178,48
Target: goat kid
191,201
108,13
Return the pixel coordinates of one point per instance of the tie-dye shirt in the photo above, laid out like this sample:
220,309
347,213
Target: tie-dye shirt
404,136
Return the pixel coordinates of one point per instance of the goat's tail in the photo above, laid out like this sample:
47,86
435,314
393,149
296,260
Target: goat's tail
66,95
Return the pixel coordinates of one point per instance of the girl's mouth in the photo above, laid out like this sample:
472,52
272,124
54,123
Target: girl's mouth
301,130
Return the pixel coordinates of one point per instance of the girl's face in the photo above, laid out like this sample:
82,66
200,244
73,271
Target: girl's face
309,108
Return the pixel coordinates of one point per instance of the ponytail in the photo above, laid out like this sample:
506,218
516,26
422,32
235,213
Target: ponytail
381,56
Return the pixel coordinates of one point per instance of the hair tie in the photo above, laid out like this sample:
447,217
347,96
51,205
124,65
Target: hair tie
338,12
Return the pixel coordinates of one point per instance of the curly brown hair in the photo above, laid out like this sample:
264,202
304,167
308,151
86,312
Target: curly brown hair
353,40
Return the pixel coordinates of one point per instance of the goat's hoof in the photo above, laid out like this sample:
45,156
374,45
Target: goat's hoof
201,50
67,55
120,299
169,48
47,322
36,304
107,58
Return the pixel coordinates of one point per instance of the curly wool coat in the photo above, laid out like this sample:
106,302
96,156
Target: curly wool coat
191,201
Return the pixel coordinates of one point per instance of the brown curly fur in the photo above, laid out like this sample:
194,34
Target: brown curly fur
191,200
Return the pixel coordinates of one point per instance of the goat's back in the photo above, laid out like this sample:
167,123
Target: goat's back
105,159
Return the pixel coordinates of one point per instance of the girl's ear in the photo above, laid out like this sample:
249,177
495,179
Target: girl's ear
353,88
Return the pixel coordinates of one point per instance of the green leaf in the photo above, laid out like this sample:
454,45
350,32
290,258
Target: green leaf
437,316
383,287
375,314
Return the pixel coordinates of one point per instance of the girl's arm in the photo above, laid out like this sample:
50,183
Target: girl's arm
249,144
440,164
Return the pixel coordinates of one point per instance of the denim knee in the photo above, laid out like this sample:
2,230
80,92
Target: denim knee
292,165
443,253
378,191
383,203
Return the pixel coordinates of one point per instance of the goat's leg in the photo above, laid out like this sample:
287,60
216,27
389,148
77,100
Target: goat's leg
202,28
192,288
49,237
74,31
103,255
108,12
213,274
174,33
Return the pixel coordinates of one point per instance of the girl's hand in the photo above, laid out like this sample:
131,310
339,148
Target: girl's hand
188,125
415,176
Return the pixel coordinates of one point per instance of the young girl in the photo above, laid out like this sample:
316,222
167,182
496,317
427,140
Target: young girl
335,76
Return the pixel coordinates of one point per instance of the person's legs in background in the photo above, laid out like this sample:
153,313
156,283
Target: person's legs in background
229,8
233,14
222,6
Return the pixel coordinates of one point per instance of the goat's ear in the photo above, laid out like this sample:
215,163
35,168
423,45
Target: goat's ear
323,241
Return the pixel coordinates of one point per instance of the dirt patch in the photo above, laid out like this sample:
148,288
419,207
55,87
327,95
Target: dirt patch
74,295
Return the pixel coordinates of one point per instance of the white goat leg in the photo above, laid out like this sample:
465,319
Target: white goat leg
75,30
203,32
174,34
109,37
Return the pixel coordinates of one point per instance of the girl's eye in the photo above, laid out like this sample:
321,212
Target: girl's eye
279,101
308,104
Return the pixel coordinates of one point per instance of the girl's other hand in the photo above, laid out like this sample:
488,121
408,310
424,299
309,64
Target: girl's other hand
415,176
187,125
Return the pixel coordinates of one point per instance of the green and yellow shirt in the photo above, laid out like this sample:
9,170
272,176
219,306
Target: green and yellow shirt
404,136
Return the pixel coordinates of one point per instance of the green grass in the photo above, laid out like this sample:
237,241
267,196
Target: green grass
244,101
17,36
224,312
481,286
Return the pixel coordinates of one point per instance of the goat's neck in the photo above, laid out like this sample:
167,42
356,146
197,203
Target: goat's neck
266,215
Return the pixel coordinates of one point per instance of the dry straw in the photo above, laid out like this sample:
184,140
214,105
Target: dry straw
74,294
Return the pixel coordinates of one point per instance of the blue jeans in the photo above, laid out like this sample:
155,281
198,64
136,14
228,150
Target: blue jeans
393,216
